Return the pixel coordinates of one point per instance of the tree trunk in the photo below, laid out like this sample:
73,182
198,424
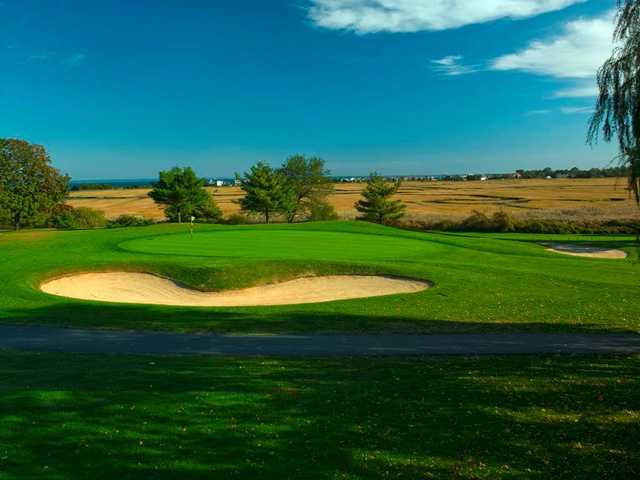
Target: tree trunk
179,216
266,216
16,221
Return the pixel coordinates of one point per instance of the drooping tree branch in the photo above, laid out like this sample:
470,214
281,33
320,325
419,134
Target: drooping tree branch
617,110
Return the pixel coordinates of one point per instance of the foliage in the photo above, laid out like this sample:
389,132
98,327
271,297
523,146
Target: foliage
575,172
78,187
266,192
30,188
321,211
130,221
184,196
236,219
617,111
377,205
80,218
503,222
310,184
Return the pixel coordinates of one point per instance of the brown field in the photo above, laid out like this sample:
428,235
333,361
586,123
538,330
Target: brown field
596,199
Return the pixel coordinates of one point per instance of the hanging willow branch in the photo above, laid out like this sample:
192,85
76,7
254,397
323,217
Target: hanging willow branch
617,112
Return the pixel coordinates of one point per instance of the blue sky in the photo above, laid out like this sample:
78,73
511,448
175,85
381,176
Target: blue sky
119,89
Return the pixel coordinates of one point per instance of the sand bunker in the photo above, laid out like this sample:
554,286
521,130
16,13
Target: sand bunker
583,251
125,287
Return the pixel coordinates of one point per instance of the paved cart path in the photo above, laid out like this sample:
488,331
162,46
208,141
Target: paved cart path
47,339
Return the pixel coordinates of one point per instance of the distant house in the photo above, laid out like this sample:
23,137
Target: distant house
483,178
219,183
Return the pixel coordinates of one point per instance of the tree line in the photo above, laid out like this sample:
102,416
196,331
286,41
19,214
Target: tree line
33,193
610,172
296,191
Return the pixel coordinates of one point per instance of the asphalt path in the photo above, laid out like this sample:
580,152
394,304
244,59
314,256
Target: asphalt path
48,339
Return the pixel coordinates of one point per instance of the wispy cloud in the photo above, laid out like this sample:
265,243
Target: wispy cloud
370,16
589,89
532,113
576,110
41,56
575,54
564,110
452,65
75,59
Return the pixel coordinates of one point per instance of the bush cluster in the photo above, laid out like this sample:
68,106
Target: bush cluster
130,221
80,218
502,222
83,218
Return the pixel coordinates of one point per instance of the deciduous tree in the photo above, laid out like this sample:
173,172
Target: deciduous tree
309,184
30,188
617,111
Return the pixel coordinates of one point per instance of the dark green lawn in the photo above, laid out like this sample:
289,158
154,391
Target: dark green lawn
118,417
482,282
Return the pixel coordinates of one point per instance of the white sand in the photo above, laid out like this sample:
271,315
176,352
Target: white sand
582,251
123,287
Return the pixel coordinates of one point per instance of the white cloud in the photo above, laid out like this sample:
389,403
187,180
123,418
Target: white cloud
563,110
531,113
370,16
578,52
578,90
452,66
40,57
574,110
75,59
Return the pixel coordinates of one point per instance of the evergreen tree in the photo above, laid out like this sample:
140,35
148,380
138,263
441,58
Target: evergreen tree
266,191
377,205
30,188
183,195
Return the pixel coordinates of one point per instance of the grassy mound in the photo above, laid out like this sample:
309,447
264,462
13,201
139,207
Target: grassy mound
483,282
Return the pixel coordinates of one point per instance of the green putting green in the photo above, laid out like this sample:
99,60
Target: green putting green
481,282
288,244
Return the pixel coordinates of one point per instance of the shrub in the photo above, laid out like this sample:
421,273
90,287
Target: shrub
476,222
130,221
208,212
322,211
80,218
504,222
237,219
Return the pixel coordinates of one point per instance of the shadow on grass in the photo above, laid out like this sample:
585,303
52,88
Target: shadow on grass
271,320
194,418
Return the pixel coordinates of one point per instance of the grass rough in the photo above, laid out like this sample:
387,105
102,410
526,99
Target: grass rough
106,417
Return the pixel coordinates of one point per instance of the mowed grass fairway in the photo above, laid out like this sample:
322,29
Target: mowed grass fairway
119,417
481,282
